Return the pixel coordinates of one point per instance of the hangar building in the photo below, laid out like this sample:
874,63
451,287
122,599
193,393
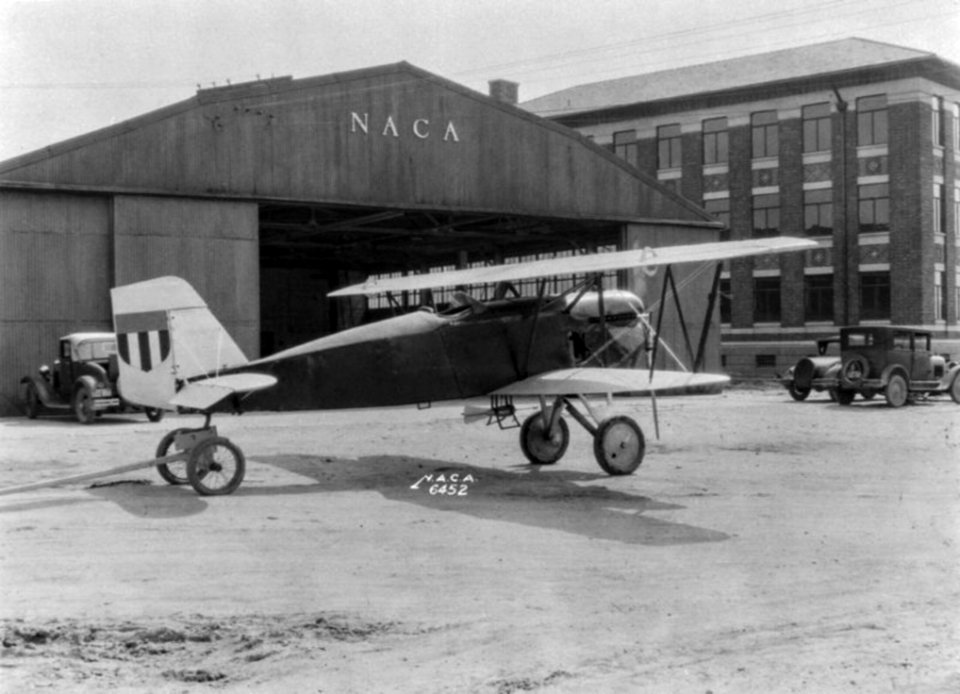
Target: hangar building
266,195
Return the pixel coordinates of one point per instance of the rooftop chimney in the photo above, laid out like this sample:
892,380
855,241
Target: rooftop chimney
505,91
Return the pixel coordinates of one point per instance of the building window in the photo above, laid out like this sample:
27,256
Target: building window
875,207
939,210
625,145
816,128
726,307
716,141
872,120
668,147
765,138
818,212
720,208
940,296
766,215
766,299
818,297
936,125
875,295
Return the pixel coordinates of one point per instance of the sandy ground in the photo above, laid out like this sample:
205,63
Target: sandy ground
763,546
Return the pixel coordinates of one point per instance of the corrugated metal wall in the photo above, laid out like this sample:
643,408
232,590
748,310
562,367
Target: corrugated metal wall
60,254
211,244
54,278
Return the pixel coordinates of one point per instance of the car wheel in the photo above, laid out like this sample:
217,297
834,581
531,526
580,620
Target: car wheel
83,405
798,394
955,388
33,401
896,391
154,414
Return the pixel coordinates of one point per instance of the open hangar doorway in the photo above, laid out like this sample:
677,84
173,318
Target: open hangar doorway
308,250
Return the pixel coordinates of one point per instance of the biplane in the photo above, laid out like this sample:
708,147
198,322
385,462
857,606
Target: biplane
555,350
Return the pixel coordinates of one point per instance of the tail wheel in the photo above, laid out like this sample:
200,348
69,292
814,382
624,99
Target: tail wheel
173,473
215,467
619,445
542,447
33,401
154,414
897,390
83,405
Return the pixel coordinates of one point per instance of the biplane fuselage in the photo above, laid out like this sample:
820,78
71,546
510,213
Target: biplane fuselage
421,357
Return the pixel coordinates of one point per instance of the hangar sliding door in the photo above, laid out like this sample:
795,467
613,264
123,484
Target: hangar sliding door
212,244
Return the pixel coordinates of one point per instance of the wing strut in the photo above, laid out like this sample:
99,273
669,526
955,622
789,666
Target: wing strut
711,303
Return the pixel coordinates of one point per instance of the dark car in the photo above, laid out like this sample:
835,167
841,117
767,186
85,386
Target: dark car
807,374
83,378
894,360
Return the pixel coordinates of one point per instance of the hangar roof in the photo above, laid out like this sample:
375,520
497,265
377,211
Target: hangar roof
363,161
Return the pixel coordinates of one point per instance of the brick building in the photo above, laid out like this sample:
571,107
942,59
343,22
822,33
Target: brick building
853,143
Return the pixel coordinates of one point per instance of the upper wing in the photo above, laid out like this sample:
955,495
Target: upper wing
202,395
582,264
600,381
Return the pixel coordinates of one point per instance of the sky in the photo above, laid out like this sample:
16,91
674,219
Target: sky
68,67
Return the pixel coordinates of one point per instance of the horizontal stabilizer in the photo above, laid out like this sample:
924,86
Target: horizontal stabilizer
600,381
582,264
202,395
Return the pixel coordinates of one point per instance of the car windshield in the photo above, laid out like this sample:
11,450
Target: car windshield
96,350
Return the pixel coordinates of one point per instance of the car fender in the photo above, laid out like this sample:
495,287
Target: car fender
889,371
85,381
951,373
45,392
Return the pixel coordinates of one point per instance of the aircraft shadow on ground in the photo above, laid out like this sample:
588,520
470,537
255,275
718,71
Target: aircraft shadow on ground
534,497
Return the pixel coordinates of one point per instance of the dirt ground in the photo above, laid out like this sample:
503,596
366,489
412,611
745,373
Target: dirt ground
763,546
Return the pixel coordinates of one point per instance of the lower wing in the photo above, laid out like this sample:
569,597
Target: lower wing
600,381
204,394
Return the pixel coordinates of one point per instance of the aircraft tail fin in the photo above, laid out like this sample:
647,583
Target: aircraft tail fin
166,333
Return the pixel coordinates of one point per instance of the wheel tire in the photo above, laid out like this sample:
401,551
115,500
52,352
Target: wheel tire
798,394
955,388
853,371
154,414
868,394
845,396
173,473
216,467
83,405
619,445
32,398
897,390
540,448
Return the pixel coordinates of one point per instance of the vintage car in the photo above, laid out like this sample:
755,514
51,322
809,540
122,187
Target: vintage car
83,378
894,360
799,378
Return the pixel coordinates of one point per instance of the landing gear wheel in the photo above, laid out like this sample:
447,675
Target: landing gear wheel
955,388
173,473
542,447
619,445
33,401
215,467
83,405
897,391
798,394
844,396
154,414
